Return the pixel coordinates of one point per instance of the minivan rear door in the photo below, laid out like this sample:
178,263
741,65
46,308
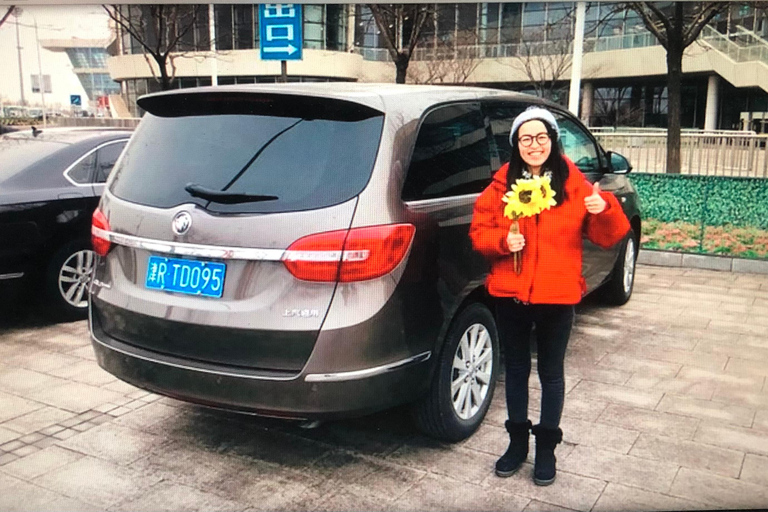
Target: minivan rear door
212,190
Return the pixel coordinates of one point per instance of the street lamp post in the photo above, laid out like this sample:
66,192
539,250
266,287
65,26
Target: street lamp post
17,15
40,74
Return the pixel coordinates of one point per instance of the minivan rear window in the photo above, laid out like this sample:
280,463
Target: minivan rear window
300,153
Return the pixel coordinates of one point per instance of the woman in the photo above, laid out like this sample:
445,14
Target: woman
550,281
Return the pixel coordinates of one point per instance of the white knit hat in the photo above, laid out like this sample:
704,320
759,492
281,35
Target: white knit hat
534,113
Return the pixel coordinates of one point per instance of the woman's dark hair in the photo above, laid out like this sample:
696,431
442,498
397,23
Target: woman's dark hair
554,163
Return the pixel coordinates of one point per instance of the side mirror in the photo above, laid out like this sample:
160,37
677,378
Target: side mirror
619,163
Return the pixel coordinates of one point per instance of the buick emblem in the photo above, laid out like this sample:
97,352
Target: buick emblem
181,223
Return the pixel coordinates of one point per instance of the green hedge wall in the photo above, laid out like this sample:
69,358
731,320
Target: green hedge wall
715,200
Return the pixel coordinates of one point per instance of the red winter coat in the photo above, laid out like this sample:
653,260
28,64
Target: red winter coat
551,259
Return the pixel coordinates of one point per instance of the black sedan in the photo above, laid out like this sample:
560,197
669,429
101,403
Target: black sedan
50,183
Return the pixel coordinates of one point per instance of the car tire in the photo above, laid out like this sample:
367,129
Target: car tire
67,281
450,411
618,290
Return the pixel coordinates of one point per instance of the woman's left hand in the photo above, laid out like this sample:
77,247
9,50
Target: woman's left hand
594,203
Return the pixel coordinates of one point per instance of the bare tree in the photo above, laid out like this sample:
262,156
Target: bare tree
618,109
400,26
7,14
161,31
451,61
676,25
546,65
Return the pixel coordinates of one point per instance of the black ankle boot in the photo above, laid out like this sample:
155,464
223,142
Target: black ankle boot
517,452
544,470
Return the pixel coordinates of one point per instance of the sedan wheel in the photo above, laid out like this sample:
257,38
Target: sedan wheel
75,277
618,289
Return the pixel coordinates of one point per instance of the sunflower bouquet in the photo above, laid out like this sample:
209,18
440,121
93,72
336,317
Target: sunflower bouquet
527,197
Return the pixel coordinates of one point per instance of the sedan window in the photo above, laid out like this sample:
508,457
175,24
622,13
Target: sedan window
82,171
107,156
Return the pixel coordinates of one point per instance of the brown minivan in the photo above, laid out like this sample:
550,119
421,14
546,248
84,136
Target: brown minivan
302,250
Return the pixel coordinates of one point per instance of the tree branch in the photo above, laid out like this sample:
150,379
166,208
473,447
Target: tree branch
7,14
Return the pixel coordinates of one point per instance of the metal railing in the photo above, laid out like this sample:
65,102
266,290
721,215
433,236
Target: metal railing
737,154
744,46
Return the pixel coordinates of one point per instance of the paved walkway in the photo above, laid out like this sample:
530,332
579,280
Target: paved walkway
667,408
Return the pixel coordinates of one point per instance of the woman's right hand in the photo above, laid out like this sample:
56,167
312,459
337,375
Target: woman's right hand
515,242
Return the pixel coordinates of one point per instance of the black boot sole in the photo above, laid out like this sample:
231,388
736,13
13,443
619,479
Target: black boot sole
540,482
506,474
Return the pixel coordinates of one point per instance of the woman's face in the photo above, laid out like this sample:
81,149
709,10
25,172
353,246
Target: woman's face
534,143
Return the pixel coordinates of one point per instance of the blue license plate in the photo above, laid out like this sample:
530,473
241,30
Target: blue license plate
204,278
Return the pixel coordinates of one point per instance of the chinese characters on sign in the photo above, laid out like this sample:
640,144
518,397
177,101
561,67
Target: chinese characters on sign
280,31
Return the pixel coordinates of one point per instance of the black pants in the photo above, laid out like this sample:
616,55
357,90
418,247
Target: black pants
553,328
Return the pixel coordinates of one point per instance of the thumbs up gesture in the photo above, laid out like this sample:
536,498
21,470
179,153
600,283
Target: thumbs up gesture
594,203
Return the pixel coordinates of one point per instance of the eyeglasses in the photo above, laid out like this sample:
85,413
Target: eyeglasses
527,140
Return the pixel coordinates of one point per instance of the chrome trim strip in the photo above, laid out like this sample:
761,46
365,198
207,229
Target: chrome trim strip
186,249
186,367
12,275
368,372
443,201
66,171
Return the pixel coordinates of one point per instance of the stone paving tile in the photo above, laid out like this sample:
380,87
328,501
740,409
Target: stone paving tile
638,364
618,468
48,459
437,494
145,417
114,443
688,454
570,490
755,470
703,390
589,390
717,490
541,506
13,406
74,396
597,374
708,410
24,496
122,388
20,381
584,433
620,498
7,435
651,422
97,482
170,497
745,440
455,462
761,420
738,327
85,371
747,352
387,482
742,397
85,352
748,382
40,360
697,359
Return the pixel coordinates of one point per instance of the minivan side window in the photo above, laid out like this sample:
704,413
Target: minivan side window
82,172
501,116
452,155
577,144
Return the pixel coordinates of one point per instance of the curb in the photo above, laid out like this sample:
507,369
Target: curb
702,261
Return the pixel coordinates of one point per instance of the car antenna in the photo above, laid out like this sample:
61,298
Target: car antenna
35,131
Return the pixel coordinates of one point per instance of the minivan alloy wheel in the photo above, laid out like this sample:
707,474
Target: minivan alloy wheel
629,265
472,370
75,277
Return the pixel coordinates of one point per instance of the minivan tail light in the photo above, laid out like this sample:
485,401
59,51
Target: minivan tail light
357,254
99,234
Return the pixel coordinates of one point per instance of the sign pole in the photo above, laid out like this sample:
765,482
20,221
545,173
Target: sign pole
284,71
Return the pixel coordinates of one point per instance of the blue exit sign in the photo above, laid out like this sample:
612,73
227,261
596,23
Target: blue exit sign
280,31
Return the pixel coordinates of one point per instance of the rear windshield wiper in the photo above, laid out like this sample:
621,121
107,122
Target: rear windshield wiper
217,196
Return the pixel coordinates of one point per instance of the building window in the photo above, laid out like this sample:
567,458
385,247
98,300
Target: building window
36,83
244,27
325,27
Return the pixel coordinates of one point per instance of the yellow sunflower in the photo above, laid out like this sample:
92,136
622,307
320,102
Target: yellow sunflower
524,200
547,194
